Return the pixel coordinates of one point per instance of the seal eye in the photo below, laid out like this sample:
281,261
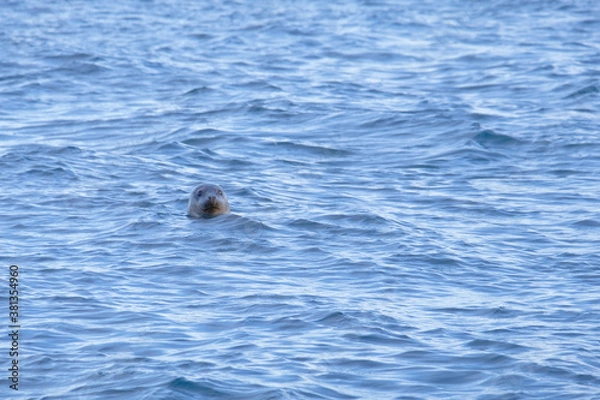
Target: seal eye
219,192
199,194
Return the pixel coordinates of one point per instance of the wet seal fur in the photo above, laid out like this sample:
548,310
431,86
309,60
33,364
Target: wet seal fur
207,201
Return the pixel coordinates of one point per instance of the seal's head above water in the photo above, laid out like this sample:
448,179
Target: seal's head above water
207,201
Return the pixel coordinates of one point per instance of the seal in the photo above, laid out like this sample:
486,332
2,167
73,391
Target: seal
207,201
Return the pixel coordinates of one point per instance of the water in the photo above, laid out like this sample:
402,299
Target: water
413,184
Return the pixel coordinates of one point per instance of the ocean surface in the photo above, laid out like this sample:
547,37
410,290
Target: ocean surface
414,189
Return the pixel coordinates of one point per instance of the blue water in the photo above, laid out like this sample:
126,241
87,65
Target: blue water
414,192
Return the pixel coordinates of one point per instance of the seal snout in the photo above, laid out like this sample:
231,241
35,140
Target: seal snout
211,204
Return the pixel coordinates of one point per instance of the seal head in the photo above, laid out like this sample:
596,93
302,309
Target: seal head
207,201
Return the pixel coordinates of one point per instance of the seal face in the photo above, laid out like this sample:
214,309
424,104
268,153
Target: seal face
207,201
